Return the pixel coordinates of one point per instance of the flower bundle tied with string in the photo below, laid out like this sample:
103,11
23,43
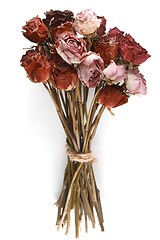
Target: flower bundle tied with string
73,56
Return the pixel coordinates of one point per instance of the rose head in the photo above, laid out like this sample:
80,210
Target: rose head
115,73
35,30
37,66
64,76
56,18
112,96
106,48
59,31
90,70
135,82
131,51
86,22
71,48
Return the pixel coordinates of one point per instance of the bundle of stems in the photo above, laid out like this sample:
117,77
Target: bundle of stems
80,120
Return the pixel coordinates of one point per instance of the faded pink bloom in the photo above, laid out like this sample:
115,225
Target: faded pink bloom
135,82
71,48
86,22
90,69
115,73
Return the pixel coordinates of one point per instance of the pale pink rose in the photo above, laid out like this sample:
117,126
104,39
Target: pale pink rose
86,22
115,73
71,48
135,82
90,70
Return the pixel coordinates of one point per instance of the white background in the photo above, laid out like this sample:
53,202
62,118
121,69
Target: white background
32,153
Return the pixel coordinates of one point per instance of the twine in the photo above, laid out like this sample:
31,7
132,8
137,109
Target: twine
79,157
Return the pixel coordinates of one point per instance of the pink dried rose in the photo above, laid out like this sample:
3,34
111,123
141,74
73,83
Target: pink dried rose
86,22
64,76
132,51
135,82
71,48
35,30
37,66
112,96
90,70
115,73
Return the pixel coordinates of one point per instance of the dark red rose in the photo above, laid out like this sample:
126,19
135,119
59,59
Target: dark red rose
112,96
101,30
106,48
131,51
35,30
37,66
64,76
56,18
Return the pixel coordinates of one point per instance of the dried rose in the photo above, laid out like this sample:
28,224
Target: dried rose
135,82
115,73
37,66
90,70
131,51
112,96
71,48
56,18
35,30
107,48
86,22
64,76
59,31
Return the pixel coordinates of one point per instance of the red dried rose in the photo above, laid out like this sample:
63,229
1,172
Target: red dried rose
106,48
131,51
60,30
64,76
37,66
112,96
56,18
35,30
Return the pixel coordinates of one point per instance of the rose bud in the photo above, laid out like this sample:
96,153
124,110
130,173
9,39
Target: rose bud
135,82
64,76
90,70
115,73
35,30
86,22
131,51
112,96
71,48
37,66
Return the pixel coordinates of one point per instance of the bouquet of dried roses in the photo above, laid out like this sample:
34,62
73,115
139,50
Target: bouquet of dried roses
85,70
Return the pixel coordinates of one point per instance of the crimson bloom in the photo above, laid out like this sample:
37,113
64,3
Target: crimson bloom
64,76
35,30
132,51
112,96
37,66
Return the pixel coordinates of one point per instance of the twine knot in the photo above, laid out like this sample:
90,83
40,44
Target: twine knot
79,157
